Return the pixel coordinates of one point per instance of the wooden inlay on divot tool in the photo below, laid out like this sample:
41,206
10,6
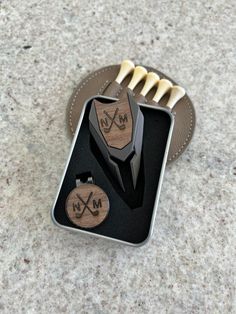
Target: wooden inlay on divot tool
87,206
115,123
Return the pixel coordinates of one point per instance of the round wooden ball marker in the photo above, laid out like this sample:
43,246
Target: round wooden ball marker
87,205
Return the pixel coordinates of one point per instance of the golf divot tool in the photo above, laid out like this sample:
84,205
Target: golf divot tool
117,128
87,205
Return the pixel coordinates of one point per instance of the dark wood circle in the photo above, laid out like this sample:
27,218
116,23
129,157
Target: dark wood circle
87,206
96,82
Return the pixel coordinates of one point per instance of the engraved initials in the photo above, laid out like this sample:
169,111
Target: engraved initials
104,122
122,120
96,204
76,206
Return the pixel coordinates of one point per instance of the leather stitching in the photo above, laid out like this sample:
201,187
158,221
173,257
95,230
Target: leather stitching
101,90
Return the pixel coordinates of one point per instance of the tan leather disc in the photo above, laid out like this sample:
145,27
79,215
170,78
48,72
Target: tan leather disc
99,83
87,206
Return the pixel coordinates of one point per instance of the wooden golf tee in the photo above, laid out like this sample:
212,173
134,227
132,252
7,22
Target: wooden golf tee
126,67
176,94
138,75
114,88
163,87
151,80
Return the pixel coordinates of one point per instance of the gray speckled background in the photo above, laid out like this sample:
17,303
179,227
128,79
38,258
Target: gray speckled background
46,47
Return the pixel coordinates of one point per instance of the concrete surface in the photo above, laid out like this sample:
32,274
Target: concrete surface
46,47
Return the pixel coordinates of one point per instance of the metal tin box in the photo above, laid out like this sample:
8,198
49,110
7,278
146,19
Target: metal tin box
132,214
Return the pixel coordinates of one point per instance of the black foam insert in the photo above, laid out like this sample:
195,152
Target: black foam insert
131,212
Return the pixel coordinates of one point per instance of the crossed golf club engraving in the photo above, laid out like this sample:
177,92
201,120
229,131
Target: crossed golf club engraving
85,203
112,119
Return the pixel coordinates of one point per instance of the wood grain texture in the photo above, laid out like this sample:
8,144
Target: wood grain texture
87,206
115,122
